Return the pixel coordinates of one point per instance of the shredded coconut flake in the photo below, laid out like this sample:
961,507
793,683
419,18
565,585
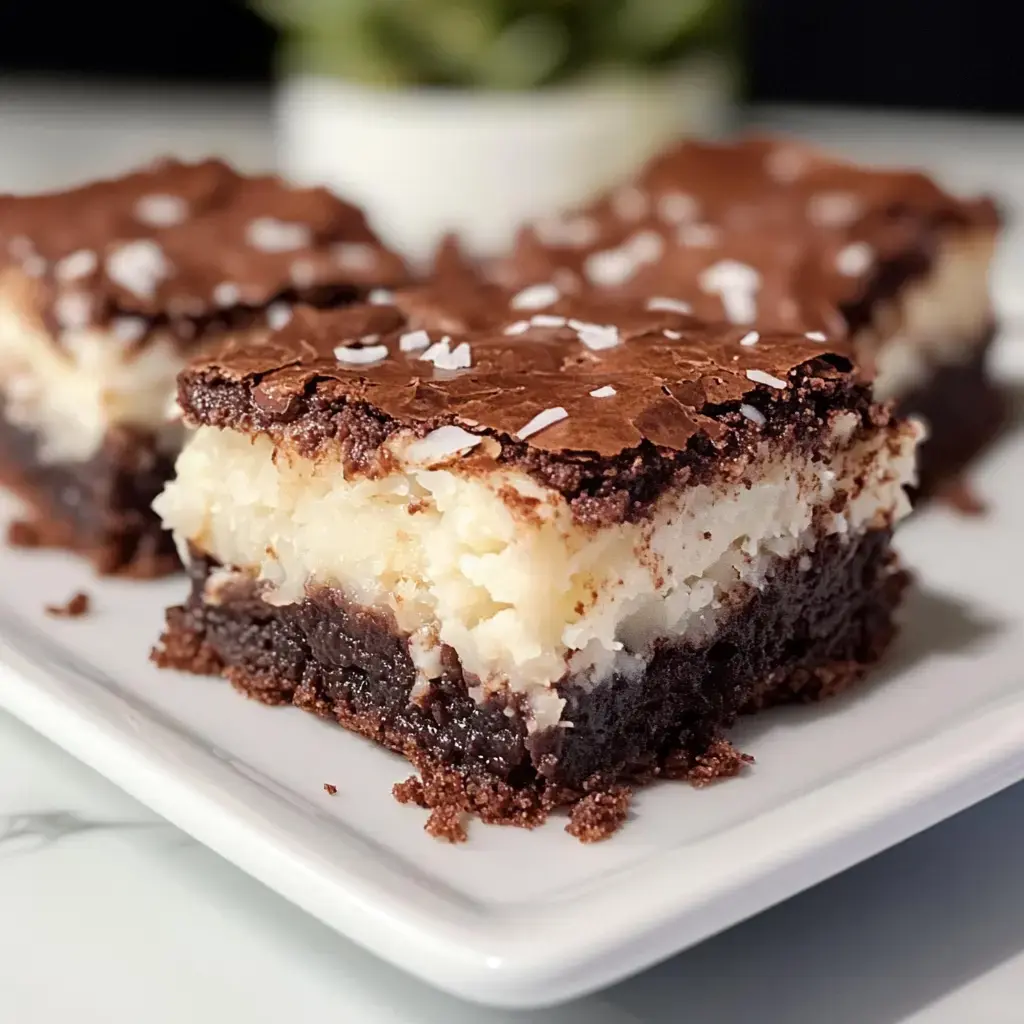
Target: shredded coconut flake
537,296
678,208
760,377
440,444
672,335
785,165
752,414
161,210
138,267
21,247
461,359
355,256
173,412
361,356
699,236
816,336
278,315
669,305
736,284
73,310
572,232
303,273
547,320
921,426
647,246
854,259
596,336
414,341
519,327
543,420
268,234
227,294
833,209
445,358
381,297
604,392
610,268
750,338
613,267
629,203
128,329
77,265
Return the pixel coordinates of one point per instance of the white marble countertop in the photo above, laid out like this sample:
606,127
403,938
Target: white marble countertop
109,915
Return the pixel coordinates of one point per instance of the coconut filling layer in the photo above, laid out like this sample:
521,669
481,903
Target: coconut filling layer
937,321
493,565
70,391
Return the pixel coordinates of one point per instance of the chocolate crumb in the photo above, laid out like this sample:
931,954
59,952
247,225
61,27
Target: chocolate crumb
447,822
330,789
74,608
961,497
599,815
595,814
721,760
410,791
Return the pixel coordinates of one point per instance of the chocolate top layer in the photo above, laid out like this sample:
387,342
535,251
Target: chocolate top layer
762,231
598,398
188,241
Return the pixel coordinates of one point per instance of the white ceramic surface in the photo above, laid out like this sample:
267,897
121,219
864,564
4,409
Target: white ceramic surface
425,162
111,916
516,918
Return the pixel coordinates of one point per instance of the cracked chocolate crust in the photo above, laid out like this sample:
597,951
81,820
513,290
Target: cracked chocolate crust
808,633
186,245
686,398
792,213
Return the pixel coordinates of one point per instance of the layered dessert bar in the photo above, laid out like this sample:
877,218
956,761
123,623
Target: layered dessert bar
105,290
541,557
774,234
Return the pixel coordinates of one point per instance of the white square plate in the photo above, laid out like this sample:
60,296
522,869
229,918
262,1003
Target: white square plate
516,918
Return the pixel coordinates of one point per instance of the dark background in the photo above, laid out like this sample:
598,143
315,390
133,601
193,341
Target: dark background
945,54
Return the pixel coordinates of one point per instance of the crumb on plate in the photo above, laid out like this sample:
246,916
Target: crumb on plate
75,607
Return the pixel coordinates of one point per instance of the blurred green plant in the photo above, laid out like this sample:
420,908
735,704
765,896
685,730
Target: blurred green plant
492,44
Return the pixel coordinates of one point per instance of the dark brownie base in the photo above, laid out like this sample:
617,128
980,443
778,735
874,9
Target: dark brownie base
99,508
808,634
965,410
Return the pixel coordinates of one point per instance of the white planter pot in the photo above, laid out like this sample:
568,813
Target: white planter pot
423,162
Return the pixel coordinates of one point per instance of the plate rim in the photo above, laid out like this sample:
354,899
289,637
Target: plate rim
514,961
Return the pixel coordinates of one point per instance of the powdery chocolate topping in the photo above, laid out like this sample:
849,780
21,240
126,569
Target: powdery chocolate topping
592,396
187,241
763,230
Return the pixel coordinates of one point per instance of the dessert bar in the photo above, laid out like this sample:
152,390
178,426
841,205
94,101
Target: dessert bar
104,290
774,234
540,556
